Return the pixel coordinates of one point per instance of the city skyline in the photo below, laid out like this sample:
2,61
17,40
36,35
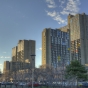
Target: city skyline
26,20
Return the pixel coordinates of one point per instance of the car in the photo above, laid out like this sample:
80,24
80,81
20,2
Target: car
9,83
0,83
22,84
35,84
85,84
6,83
29,84
3,83
80,83
16,83
42,84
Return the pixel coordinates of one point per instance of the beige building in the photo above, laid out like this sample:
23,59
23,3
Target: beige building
55,46
26,48
46,55
21,55
14,54
64,29
78,26
6,66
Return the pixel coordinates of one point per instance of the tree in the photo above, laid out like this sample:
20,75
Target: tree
75,69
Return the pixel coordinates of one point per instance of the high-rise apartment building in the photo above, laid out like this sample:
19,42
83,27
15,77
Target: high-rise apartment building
14,54
78,26
21,55
6,67
25,49
55,46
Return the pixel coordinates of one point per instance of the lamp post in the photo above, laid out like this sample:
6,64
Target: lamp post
32,68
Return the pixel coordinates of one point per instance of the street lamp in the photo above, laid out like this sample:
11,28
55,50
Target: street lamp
32,68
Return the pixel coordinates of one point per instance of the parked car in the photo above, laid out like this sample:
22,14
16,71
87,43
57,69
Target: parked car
42,84
85,84
22,84
0,83
35,84
9,83
16,83
6,83
3,83
80,83
29,84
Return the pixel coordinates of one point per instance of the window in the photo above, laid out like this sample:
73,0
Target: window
71,21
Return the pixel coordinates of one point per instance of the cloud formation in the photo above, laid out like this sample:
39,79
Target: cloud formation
0,64
5,57
62,2
40,48
71,7
51,4
56,16
65,6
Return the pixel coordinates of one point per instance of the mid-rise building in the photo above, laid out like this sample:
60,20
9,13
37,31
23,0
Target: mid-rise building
78,26
21,55
25,49
55,46
6,67
14,54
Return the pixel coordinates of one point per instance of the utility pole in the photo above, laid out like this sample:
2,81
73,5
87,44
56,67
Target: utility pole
32,70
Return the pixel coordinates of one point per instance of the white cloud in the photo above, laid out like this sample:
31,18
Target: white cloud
71,7
2,57
56,16
5,57
51,4
40,48
0,64
62,2
66,7
52,14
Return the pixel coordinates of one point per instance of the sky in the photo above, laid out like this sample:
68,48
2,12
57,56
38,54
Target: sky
26,19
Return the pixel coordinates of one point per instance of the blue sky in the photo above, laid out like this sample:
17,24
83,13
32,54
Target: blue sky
26,19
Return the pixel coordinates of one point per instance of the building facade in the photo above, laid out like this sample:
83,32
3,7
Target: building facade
14,54
6,67
21,55
78,26
25,49
55,47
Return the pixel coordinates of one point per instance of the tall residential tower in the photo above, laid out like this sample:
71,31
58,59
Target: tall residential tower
21,55
55,46
78,26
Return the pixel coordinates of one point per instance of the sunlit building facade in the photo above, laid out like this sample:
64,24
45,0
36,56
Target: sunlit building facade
78,26
21,55
25,49
14,54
